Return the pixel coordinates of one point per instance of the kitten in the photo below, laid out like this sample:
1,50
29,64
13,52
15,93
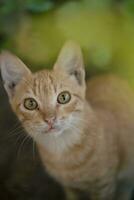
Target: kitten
84,134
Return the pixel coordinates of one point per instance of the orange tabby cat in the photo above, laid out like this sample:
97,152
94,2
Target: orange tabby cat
85,143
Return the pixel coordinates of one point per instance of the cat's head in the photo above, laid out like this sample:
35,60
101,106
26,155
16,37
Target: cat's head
46,102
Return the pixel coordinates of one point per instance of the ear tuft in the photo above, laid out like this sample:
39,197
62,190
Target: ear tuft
12,71
70,60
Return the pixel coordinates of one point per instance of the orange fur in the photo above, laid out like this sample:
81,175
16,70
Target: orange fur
92,147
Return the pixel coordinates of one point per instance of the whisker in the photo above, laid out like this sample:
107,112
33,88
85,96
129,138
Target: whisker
34,145
16,129
13,133
33,142
16,125
26,138
20,135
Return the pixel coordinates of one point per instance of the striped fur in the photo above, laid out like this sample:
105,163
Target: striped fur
92,146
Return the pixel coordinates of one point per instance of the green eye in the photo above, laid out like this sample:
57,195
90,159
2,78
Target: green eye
64,97
30,104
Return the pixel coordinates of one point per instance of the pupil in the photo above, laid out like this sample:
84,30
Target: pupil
63,96
31,103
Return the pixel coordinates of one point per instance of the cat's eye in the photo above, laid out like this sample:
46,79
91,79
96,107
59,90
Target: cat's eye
64,97
30,104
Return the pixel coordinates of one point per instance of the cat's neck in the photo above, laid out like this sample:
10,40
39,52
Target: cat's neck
63,142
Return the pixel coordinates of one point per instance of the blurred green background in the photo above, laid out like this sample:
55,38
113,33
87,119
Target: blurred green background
35,30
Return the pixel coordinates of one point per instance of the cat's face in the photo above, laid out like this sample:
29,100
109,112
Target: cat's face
47,102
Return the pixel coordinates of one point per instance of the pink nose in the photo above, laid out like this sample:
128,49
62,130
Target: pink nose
50,121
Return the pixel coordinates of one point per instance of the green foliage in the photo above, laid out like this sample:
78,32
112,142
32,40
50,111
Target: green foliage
100,4
11,11
128,7
39,6
36,30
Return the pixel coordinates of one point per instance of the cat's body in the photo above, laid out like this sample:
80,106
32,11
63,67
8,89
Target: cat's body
89,142
105,155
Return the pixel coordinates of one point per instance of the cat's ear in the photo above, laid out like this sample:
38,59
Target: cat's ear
12,71
70,60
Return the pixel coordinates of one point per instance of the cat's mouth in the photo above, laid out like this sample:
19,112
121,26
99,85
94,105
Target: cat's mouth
53,129
50,129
